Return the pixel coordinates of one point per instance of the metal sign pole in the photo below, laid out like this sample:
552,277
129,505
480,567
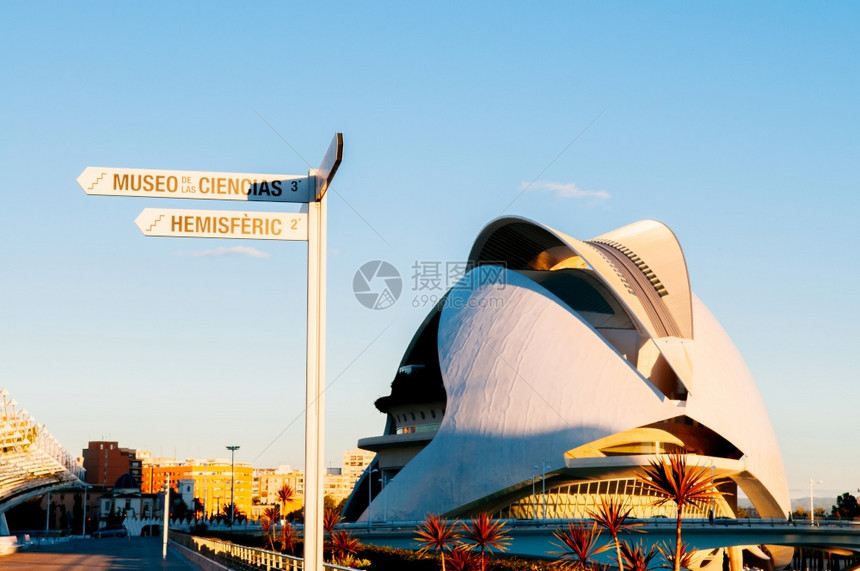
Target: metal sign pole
166,519
315,410
314,402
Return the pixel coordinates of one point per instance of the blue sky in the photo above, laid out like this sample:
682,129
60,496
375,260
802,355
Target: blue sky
734,123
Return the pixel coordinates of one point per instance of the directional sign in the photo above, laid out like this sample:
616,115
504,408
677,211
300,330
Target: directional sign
328,166
196,184
223,224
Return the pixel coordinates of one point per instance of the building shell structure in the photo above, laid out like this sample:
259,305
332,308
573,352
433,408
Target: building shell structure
32,462
567,365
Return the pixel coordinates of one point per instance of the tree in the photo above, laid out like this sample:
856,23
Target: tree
286,495
461,560
578,545
846,507
637,557
611,515
178,508
331,518
436,534
329,503
343,543
268,524
681,557
198,508
485,534
226,509
288,538
672,480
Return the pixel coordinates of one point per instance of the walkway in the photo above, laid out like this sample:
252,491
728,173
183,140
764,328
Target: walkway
87,554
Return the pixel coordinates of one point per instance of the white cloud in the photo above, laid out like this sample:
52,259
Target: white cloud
569,190
232,251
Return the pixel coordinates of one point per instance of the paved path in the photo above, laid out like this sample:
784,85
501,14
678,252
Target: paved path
86,554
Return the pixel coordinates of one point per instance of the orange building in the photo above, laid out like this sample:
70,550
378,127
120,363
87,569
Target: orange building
106,461
211,480
270,481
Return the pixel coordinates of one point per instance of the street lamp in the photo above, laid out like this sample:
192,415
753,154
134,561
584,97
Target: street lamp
534,499
811,507
543,468
369,493
48,515
232,450
385,483
84,527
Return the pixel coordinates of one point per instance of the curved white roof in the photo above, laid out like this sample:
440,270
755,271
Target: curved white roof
31,461
528,377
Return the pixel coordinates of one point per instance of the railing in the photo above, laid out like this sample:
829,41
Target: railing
237,556
688,523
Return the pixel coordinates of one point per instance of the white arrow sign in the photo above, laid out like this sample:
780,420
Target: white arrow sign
223,224
197,184
328,167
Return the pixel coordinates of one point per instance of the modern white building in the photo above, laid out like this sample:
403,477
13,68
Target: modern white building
565,365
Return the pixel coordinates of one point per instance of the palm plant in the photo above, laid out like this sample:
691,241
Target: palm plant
266,526
579,545
676,558
672,480
342,544
268,523
288,538
611,515
436,534
637,557
461,560
286,495
331,517
228,509
485,534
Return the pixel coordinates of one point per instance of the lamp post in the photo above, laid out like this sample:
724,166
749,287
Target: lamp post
534,499
48,515
811,507
84,526
543,467
232,450
369,493
385,483
166,518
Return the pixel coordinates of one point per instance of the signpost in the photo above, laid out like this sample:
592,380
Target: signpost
106,181
314,389
310,226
